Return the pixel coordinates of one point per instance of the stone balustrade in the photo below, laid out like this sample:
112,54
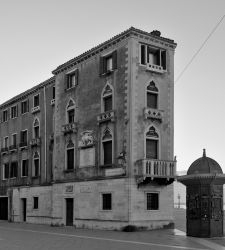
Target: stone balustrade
35,142
153,114
69,128
106,116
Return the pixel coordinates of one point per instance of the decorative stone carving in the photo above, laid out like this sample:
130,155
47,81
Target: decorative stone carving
86,138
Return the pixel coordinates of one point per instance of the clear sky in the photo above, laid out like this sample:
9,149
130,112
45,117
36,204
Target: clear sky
37,36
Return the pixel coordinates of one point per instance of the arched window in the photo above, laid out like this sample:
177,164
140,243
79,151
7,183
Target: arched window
36,165
152,96
152,143
36,128
70,110
107,98
70,159
107,147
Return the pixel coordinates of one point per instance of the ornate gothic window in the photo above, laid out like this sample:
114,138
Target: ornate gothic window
70,110
107,98
70,159
36,128
36,165
152,143
152,96
107,147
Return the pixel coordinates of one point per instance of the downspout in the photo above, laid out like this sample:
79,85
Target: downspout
45,134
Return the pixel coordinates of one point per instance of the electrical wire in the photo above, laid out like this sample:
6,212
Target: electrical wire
197,52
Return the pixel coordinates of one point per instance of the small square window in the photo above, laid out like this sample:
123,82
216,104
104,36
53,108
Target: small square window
107,201
152,201
35,202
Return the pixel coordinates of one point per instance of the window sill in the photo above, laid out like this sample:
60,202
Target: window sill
35,177
69,170
68,89
108,72
107,166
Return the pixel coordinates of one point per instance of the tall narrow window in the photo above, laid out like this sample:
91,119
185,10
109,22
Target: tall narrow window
70,156
14,112
5,171
152,141
107,147
24,168
53,92
6,142
36,165
24,107
35,202
107,98
152,96
5,115
36,128
23,138
14,140
72,79
108,63
14,169
36,100
70,112
107,201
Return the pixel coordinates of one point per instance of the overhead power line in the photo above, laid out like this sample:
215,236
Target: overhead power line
196,53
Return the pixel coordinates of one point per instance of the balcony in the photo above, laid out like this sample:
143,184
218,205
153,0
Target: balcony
155,68
13,148
36,142
23,144
4,150
106,116
35,109
161,171
153,114
69,128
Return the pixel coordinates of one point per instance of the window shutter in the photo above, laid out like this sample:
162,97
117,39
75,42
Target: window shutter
101,65
114,58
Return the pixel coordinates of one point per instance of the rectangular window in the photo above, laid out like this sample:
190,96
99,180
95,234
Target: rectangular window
53,92
24,170
36,132
6,142
152,149
14,112
23,138
152,101
71,80
35,202
5,115
107,103
36,168
152,201
152,56
6,171
71,114
36,100
107,148
14,169
70,158
107,201
108,63
24,107
14,140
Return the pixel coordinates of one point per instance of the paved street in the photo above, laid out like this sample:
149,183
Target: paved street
19,236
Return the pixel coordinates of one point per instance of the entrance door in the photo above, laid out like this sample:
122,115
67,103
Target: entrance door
4,208
24,209
69,211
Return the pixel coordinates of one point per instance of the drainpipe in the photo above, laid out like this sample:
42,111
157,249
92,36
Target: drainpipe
45,134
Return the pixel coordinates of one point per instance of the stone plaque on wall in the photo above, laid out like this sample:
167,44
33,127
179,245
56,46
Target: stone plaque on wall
69,189
87,157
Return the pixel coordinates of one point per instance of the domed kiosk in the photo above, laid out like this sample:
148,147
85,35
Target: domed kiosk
204,197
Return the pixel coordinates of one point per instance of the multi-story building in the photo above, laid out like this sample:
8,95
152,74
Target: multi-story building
99,149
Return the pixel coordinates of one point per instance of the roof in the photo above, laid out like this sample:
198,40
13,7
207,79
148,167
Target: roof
113,40
204,165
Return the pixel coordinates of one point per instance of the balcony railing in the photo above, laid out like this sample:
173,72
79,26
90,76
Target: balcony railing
35,142
23,144
155,169
155,68
13,148
35,109
106,116
69,128
12,182
5,149
153,114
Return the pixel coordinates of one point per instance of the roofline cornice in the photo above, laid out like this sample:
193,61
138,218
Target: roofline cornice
114,40
26,93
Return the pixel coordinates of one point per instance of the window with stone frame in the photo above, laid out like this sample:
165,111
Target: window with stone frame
6,142
24,168
36,165
5,173
107,98
24,106
36,100
14,140
71,79
108,63
71,112
107,147
70,157
14,169
36,128
152,143
53,93
5,115
35,202
152,96
107,201
152,201
23,137
14,112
